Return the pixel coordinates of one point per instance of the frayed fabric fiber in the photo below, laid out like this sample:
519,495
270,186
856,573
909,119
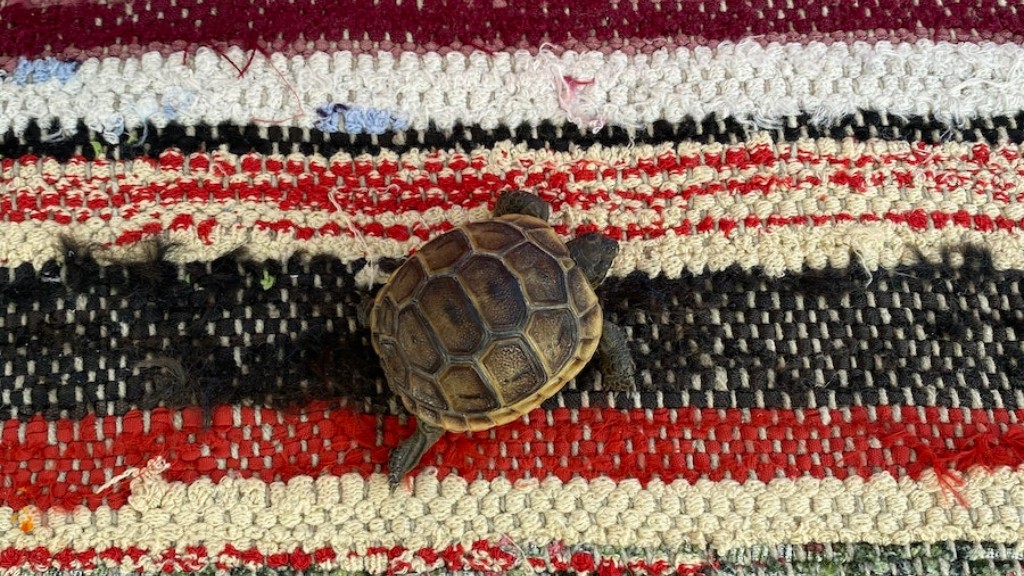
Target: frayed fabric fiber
819,207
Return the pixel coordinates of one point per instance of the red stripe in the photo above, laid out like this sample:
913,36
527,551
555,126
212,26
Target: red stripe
371,189
379,186
375,186
28,29
669,444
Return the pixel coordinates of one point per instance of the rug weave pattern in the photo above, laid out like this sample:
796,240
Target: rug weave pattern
820,210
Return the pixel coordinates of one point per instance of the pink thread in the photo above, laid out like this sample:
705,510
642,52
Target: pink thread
574,85
567,92
568,89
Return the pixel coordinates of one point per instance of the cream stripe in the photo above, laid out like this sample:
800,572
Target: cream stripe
752,81
779,251
352,513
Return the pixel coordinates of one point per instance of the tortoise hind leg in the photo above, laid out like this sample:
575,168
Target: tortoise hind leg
520,202
408,454
618,371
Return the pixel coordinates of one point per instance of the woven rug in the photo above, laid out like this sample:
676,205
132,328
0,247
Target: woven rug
819,205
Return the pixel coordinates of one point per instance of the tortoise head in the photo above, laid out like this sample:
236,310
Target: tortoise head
594,255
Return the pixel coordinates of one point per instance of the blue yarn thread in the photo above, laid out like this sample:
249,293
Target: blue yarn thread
43,70
113,128
357,119
176,101
329,117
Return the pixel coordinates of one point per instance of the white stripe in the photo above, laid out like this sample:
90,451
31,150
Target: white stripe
352,513
751,81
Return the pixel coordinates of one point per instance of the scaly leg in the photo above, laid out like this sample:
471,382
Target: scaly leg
408,454
617,367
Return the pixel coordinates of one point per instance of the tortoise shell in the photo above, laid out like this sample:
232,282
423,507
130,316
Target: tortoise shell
484,323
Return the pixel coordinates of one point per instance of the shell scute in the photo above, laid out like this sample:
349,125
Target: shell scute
415,340
494,291
393,362
466,391
446,252
548,331
524,221
423,390
542,276
493,235
581,294
451,315
406,280
513,369
385,312
547,239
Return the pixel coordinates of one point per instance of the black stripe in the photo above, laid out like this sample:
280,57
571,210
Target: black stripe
236,330
153,141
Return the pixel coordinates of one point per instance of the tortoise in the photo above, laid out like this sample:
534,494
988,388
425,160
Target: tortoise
488,320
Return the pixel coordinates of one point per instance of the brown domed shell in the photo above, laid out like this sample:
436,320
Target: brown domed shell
484,323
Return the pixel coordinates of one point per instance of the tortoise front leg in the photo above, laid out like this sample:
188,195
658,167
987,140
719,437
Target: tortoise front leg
618,370
363,310
409,453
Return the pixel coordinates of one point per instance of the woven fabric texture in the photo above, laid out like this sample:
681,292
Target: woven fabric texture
819,206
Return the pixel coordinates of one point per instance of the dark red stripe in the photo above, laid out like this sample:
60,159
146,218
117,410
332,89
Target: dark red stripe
669,444
27,29
628,46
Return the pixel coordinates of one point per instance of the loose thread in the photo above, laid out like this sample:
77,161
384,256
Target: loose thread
949,480
241,71
567,92
153,468
483,49
144,115
113,128
369,274
298,99
864,265
248,63
509,545
58,135
1013,79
